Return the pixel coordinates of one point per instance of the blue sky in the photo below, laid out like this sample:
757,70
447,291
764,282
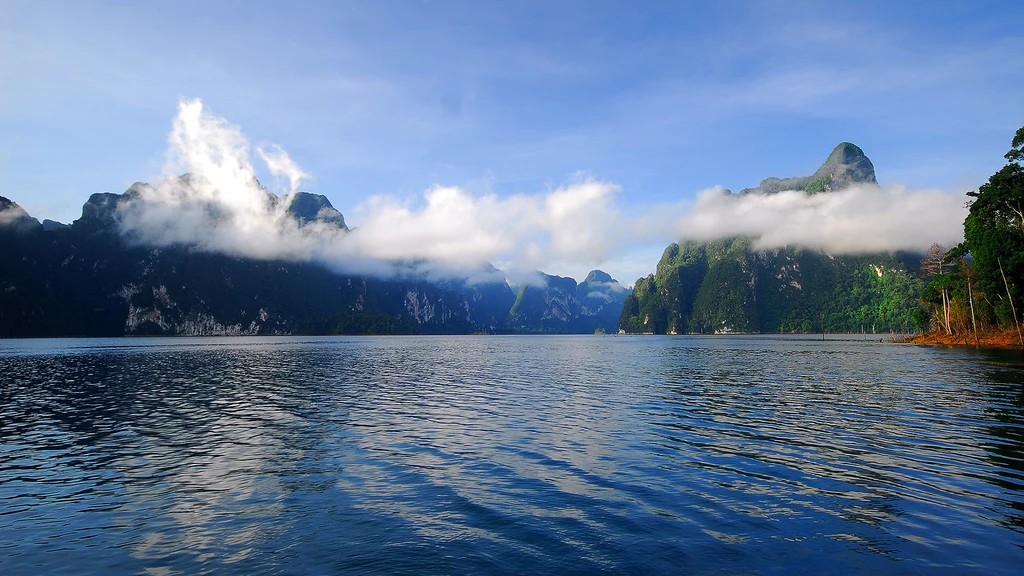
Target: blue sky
662,99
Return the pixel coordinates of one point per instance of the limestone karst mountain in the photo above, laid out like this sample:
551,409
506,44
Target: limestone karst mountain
727,286
845,166
90,279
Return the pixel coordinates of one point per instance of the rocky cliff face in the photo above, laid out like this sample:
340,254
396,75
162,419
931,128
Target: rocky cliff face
725,286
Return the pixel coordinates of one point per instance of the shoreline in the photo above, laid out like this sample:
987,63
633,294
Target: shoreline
1004,339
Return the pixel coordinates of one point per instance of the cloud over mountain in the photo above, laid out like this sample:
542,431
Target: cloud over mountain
856,220
220,206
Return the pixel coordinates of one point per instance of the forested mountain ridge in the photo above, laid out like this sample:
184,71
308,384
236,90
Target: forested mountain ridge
89,279
727,286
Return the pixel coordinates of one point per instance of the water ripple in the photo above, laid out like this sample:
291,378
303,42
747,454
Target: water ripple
429,455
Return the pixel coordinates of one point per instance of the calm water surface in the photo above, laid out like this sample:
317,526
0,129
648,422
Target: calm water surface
453,455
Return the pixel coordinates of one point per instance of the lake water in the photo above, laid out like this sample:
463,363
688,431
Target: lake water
490,455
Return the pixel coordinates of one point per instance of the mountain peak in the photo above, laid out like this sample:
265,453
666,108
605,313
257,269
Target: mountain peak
99,213
14,217
846,152
845,166
306,207
598,276
53,225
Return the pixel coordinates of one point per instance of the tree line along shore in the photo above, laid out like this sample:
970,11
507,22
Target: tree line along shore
974,294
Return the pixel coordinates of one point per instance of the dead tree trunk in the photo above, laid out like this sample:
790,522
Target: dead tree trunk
945,311
970,297
1013,309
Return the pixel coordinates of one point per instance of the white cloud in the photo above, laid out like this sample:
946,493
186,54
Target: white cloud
448,231
281,165
451,225
221,206
860,219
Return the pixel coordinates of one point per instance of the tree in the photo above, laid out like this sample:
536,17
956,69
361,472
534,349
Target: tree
934,261
1016,153
970,276
994,234
940,288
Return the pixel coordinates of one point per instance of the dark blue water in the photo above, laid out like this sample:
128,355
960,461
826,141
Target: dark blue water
454,455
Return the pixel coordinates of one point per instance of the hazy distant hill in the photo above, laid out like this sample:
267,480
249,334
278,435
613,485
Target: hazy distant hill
562,305
726,286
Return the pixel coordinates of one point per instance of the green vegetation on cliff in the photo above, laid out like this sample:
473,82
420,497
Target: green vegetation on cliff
729,286
726,286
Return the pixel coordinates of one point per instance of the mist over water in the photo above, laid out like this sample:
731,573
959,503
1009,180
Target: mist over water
433,455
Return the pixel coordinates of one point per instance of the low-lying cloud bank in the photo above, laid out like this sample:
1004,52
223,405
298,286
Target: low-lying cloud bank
855,220
450,232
